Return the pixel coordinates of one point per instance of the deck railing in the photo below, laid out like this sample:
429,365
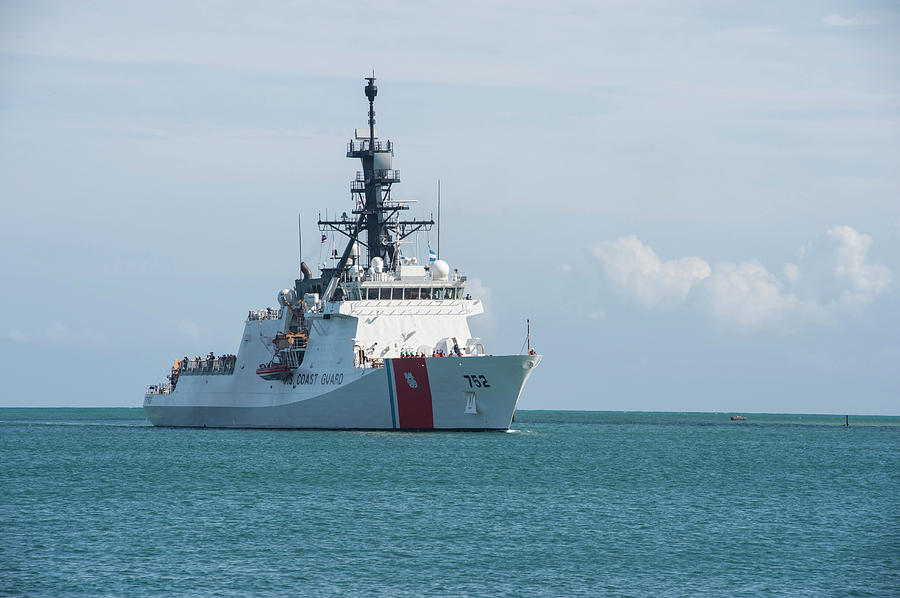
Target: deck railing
207,367
362,145
159,389
385,174
270,313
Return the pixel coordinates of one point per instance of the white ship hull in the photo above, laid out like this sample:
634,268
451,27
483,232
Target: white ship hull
441,393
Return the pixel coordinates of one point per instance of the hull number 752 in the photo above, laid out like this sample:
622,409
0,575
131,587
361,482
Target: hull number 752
477,381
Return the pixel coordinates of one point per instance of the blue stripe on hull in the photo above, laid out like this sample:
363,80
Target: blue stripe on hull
389,370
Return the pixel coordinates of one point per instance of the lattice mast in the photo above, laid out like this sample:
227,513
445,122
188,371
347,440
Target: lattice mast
377,214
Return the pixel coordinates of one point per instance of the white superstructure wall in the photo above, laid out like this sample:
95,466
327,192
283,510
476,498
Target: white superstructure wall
385,328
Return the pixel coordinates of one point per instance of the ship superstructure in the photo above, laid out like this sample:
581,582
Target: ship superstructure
376,341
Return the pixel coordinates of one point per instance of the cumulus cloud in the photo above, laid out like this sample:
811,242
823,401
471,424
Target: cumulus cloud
635,269
830,279
836,20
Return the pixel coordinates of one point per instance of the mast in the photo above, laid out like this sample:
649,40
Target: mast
371,92
439,220
377,175
377,215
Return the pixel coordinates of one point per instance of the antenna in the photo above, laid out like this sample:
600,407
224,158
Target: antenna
439,220
371,92
299,244
527,342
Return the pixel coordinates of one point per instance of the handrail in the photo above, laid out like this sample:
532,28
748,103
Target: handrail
294,340
208,367
269,313
159,389
391,174
362,145
388,173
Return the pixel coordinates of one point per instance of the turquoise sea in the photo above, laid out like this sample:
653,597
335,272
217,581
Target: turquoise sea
97,502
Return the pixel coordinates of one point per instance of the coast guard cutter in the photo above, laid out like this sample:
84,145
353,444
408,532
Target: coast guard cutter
377,344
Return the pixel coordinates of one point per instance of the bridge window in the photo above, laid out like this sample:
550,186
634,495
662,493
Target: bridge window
409,294
450,293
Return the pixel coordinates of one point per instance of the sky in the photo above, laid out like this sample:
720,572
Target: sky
696,204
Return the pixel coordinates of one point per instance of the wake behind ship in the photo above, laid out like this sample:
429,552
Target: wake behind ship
380,343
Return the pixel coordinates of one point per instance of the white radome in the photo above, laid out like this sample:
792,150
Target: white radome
440,270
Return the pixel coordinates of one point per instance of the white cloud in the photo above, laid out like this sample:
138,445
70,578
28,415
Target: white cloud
833,271
836,20
791,272
850,249
831,279
636,270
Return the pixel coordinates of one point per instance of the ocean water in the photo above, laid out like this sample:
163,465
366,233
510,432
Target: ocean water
97,502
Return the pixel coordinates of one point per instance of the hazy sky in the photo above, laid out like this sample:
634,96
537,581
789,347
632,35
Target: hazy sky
697,203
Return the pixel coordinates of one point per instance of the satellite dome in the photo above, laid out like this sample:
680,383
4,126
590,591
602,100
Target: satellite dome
440,270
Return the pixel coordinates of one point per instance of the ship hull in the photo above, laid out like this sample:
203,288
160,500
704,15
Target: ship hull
443,393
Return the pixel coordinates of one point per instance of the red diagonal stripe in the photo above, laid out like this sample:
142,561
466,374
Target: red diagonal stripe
413,393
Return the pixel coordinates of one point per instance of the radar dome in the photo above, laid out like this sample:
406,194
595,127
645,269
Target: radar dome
440,270
377,264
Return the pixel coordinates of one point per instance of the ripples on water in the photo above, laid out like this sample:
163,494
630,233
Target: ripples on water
95,501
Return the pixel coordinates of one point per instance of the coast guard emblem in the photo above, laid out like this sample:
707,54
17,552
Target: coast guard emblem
411,380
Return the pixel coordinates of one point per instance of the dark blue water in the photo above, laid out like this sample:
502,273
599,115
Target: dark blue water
96,502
